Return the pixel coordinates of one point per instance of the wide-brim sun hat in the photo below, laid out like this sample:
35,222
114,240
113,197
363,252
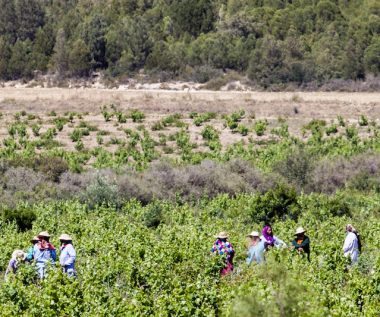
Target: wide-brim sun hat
35,238
254,234
300,230
19,254
222,235
44,234
65,237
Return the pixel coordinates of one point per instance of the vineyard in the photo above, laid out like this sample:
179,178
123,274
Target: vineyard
143,195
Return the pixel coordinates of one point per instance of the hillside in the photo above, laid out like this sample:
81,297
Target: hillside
271,43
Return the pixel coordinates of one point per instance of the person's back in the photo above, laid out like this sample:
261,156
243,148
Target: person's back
351,247
256,253
224,248
68,255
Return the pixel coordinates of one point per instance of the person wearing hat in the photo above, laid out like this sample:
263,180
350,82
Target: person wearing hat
224,248
17,257
44,253
351,246
68,255
30,252
256,248
301,243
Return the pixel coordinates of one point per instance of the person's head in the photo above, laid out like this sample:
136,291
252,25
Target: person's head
18,255
65,239
254,237
300,233
34,240
350,228
44,236
267,230
222,236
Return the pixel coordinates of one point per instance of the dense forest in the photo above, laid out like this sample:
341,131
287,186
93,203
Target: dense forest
269,41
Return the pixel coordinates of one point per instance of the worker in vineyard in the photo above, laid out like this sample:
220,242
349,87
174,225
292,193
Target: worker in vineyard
30,252
352,245
44,253
18,256
301,243
270,239
223,247
256,248
68,255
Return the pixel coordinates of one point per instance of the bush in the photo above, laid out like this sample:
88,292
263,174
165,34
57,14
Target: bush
152,217
209,133
359,172
136,115
296,167
101,191
260,127
22,216
278,203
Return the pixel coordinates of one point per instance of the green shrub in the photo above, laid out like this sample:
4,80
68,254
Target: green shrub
152,217
332,129
242,129
136,115
351,132
341,121
36,129
209,133
363,121
22,216
260,127
278,203
76,135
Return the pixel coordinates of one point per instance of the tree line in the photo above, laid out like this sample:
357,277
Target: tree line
270,41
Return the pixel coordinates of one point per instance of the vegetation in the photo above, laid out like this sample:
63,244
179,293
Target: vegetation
193,40
143,207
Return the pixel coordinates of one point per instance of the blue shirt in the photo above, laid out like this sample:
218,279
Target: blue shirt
43,256
256,253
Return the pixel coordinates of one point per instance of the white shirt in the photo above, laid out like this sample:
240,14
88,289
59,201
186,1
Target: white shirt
351,247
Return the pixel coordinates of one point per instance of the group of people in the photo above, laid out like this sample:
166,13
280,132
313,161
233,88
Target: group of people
42,253
259,244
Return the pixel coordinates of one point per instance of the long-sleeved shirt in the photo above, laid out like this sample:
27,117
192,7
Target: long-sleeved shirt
30,254
351,247
276,241
256,253
304,244
68,256
43,256
12,267
223,248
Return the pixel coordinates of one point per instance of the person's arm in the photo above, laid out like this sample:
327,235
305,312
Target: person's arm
305,243
29,256
251,255
71,256
279,243
348,243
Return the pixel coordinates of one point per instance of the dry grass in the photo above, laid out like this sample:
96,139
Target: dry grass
297,108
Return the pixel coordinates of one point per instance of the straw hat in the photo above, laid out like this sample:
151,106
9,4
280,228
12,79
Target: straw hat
65,237
222,235
35,238
254,234
300,230
18,254
44,234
